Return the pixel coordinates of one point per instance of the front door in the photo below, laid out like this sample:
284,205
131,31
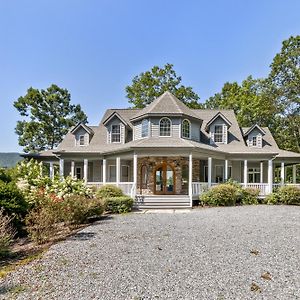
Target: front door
164,178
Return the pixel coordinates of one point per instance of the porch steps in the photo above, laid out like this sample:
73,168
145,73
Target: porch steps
162,201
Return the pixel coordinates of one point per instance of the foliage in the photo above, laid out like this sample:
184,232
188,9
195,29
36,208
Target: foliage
108,191
5,176
228,194
119,205
151,84
13,203
289,195
285,81
30,171
48,115
220,195
7,233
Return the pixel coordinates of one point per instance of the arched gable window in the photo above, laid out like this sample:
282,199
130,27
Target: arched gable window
165,127
186,129
145,128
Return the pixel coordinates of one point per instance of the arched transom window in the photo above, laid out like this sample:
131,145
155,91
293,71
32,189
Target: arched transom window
165,127
186,129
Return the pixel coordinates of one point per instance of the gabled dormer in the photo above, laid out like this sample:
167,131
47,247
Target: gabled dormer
218,129
82,135
254,136
117,128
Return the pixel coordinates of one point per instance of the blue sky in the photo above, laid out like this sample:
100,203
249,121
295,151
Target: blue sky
95,48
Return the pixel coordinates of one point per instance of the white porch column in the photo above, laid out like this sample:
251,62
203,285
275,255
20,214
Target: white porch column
51,170
270,176
118,170
245,172
73,169
85,170
282,175
209,173
294,174
226,170
61,168
191,179
104,171
261,172
135,168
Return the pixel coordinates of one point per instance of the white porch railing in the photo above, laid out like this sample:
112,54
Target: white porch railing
199,187
262,187
126,187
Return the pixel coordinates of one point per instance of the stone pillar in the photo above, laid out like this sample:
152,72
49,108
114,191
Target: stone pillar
104,171
51,170
261,172
191,179
118,170
209,173
61,168
282,173
226,170
85,170
73,169
245,172
270,176
294,174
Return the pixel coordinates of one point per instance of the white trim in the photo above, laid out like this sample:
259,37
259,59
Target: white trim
209,173
79,139
111,134
146,136
171,125
190,129
104,171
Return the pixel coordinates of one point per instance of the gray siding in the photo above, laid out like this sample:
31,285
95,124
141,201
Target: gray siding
252,134
115,121
77,135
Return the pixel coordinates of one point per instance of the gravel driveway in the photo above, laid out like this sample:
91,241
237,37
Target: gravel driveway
202,254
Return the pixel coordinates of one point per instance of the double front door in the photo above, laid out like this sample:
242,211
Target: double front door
164,179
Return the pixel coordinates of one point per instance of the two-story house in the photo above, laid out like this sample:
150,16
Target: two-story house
166,154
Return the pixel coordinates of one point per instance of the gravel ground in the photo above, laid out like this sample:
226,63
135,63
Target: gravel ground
202,254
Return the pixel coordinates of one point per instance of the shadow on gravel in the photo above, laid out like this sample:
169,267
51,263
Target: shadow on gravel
83,236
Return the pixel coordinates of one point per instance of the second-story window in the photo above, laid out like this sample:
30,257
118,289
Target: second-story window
218,134
115,134
145,128
186,129
81,140
165,127
254,141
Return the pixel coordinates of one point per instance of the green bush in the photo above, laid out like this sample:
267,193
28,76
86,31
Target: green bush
289,195
220,195
13,203
249,196
108,191
5,176
119,205
7,233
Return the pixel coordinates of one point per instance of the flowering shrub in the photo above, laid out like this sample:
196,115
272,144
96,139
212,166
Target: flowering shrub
30,171
289,195
7,233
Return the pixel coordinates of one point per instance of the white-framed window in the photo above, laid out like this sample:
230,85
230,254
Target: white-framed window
81,140
253,175
115,133
165,127
254,141
125,173
186,129
218,134
112,173
145,128
78,172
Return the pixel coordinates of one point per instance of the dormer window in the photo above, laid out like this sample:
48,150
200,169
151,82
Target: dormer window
218,134
115,134
254,141
145,128
186,129
165,127
81,140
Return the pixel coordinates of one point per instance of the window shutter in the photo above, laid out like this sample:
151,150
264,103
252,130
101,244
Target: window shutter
259,141
109,136
225,135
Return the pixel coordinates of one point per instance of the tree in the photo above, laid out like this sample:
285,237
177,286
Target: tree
285,80
48,115
151,84
250,102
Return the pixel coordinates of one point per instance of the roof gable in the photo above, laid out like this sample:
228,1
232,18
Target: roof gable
117,115
85,127
166,104
215,117
255,126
